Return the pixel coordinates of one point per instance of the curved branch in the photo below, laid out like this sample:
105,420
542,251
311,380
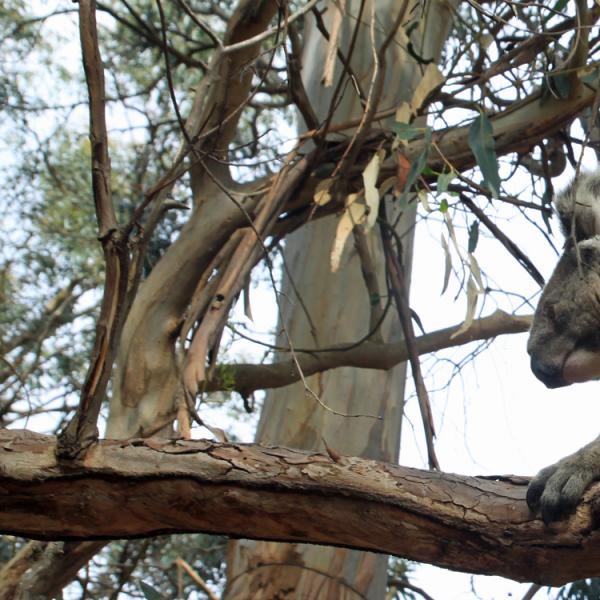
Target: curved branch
247,378
149,487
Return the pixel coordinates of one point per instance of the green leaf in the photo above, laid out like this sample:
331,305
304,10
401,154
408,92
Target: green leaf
406,131
150,593
560,84
592,76
473,236
444,205
417,166
559,5
448,265
481,141
444,180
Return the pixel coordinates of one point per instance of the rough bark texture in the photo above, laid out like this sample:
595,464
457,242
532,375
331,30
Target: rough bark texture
338,307
146,487
146,377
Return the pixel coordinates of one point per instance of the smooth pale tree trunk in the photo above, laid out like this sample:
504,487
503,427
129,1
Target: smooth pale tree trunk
338,305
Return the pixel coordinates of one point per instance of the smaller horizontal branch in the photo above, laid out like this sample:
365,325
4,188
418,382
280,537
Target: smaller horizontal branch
247,378
133,488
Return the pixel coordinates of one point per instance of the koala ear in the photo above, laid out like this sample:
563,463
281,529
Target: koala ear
578,206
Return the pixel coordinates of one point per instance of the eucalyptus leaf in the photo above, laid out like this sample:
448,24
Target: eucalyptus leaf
560,84
473,236
417,166
405,131
150,593
444,179
481,141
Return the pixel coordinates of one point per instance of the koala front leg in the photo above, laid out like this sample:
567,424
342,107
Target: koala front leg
557,489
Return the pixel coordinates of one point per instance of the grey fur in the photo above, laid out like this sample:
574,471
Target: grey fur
564,342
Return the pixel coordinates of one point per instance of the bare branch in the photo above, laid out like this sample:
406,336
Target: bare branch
146,487
247,378
81,430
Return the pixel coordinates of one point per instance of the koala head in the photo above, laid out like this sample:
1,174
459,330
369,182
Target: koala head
564,341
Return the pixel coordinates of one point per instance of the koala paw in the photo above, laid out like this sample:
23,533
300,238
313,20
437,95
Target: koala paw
556,490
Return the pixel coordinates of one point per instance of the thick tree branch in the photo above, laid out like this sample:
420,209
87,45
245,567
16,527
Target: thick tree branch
247,378
147,487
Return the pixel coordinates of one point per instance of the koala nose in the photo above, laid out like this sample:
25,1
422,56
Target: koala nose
549,374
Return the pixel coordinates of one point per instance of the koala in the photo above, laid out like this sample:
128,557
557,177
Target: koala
564,341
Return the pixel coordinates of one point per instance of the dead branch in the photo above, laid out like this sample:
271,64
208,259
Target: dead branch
82,430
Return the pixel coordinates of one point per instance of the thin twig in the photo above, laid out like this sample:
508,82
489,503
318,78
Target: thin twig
399,290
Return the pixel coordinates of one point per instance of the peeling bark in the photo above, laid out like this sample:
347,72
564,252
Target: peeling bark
155,486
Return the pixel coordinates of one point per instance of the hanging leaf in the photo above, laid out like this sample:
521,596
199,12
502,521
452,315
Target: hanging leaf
405,131
452,232
403,114
560,85
353,215
432,78
372,195
473,236
416,166
322,192
150,593
387,185
481,141
444,179
423,200
471,307
448,265
476,272
444,206
247,303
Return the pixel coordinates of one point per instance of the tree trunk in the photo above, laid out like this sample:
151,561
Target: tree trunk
329,309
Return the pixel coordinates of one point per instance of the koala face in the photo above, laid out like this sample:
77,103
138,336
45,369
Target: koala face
564,341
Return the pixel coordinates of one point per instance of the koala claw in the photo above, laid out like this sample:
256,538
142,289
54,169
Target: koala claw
556,490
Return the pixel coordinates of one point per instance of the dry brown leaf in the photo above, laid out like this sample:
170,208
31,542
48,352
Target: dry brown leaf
471,306
322,192
372,196
403,113
353,215
430,80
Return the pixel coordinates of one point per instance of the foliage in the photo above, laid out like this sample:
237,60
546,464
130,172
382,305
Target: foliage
155,58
